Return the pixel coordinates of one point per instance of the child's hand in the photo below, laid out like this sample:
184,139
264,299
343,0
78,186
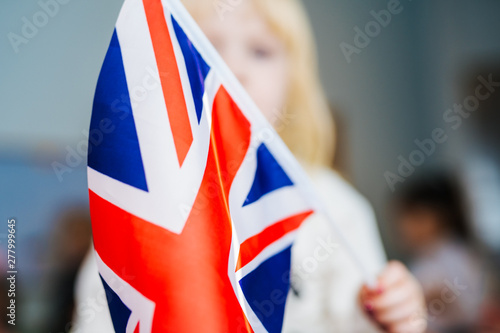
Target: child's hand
397,303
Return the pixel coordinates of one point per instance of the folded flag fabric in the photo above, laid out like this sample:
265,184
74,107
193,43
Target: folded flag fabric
194,198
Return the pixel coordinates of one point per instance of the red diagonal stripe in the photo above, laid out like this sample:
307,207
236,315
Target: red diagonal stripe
185,275
250,248
170,78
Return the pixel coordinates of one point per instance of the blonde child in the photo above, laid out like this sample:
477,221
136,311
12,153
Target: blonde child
268,44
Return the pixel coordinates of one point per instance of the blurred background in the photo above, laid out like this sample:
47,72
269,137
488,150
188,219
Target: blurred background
412,125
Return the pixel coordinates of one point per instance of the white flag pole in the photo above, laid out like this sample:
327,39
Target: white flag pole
241,97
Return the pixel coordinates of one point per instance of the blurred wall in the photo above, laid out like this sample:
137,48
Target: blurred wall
396,89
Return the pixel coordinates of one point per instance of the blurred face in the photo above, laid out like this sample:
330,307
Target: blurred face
419,227
256,56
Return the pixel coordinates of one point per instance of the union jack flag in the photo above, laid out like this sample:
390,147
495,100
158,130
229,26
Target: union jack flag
194,198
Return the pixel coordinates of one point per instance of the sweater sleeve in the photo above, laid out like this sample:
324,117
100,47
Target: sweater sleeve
91,311
325,281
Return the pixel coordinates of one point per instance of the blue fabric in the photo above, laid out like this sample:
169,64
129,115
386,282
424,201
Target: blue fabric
266,288
113,143
197,68
269,176
120,313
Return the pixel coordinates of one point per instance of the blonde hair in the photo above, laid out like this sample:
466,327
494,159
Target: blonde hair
308,129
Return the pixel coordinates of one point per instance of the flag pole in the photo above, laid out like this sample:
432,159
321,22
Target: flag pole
241,97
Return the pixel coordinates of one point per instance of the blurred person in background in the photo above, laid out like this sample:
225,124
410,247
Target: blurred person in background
432,219
269,47
67,249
